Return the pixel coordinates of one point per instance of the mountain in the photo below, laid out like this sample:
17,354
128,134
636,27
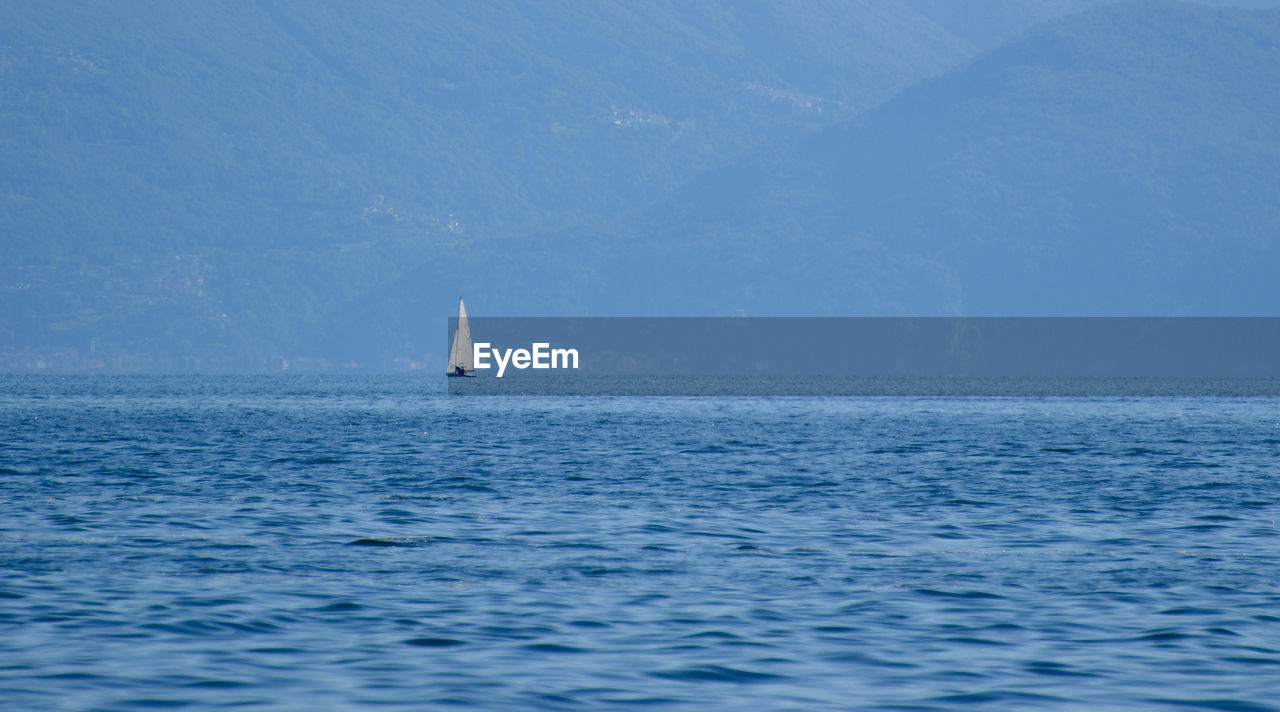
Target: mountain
1121,161
207,185
987,23
237,185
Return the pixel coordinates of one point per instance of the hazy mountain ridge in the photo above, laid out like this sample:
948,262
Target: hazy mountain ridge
1114,162
216,178
231,186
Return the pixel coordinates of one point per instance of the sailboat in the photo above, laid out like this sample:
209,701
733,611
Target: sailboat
460,353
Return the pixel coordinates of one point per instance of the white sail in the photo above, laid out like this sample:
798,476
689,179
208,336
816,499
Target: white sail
460,354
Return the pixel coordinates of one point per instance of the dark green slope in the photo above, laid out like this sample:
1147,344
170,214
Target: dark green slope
1121,161
215,183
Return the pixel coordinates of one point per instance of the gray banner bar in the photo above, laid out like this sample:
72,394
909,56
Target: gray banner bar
873,356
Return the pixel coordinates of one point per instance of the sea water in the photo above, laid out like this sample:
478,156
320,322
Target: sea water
293,543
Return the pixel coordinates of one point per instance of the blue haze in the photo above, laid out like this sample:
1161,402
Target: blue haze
237,187
283,184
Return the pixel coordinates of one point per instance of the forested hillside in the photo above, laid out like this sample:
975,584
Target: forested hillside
205,182
217,186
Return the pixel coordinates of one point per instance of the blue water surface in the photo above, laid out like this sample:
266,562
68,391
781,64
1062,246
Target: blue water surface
307,543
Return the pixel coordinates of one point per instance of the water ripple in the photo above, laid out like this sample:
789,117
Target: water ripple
282,544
